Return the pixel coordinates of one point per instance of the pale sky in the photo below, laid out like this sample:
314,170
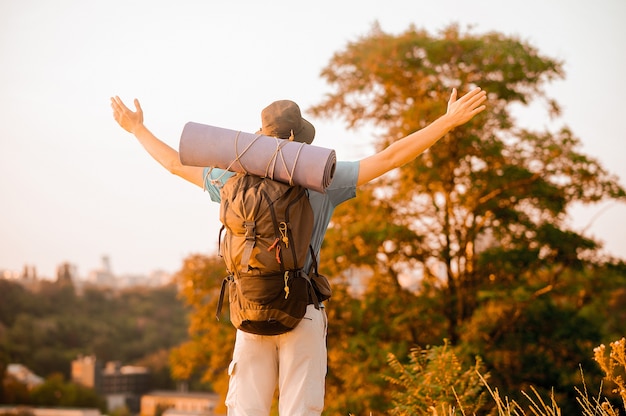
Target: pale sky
74,186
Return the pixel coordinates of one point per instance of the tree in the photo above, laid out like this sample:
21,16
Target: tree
56,392
480,220
12,391
46,329
208,351
490,194
12,298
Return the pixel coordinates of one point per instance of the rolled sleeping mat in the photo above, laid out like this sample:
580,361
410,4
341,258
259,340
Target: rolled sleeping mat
286,161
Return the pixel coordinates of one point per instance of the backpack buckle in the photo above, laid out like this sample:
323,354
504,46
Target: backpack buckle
250,227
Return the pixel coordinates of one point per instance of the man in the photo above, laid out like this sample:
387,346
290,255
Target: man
296,360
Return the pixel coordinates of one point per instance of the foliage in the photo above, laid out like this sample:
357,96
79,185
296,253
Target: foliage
534,337
434,380
613,366
205,356
470,242
55,392
358,341
13,391
491,198
46,329
538,405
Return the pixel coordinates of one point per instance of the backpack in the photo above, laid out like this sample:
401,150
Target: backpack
268,228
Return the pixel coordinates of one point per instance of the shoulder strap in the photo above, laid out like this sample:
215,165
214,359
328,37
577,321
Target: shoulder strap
313,259
220,301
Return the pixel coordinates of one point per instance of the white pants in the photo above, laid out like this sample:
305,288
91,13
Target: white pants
296,361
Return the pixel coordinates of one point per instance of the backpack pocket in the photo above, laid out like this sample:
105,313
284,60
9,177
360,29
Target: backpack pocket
321,285
268,305
263,290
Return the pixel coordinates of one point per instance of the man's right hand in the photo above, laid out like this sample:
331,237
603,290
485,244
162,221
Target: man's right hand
129,120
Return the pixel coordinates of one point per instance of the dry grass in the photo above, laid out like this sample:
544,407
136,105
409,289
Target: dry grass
612,363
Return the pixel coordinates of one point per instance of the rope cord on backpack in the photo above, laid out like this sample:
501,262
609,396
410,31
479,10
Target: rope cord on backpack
271,165
238,155
217,180
295,161
214,182
280,145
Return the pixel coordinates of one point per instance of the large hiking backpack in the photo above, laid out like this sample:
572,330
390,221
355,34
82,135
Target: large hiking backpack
268,228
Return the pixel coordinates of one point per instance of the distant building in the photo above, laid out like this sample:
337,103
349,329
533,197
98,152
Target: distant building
170,403
66,273
24,375
9,274
26,278
124,385
29,272
40,411
104,276
120,385
87,371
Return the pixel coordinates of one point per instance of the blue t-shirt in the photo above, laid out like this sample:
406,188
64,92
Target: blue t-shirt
341,188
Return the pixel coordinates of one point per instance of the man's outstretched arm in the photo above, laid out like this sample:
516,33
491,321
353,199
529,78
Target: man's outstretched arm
132,122
408,148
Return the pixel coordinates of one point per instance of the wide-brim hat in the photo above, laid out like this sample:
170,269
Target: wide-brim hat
284,120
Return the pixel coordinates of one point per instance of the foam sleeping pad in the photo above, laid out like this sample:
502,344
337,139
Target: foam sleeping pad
286,161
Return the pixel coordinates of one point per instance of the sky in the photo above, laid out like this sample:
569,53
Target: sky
75,187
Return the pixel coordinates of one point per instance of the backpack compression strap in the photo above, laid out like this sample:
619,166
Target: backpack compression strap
249,245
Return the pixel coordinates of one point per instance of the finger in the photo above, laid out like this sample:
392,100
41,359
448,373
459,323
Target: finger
481,98
122,106
118,108
476,98
115,107
478,110
452,96
138,106
117,104
472,94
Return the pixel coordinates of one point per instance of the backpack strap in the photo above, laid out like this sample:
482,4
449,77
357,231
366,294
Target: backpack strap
219,242
249,245
313,259
276,232
220,301
316,300
320,284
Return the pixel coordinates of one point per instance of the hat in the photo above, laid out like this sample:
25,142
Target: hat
283,119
